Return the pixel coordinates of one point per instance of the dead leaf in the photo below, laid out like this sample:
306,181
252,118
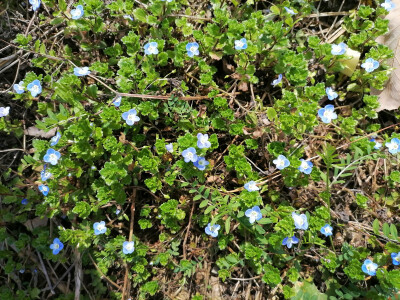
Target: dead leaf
34,131
36,222
243,86
389,97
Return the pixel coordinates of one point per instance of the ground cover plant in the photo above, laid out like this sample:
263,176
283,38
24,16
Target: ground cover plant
197,150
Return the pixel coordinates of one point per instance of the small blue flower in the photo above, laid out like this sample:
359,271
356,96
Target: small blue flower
278,80
35,88
117,101
306,166
57,246
77,13
338,49
4,111
201,163
388,5
370,65
44,189
212,229
35,4
128,17
22,271
151,48
331,93
117,211
300,221
190,154
167,0
128,247
369,267
99,228
24,201
327,114
54,140
170,147
326,230
393,146
395,258
192,49
290,11
281,162
241,44
202,141
19,88
254,214
52,156
130,117
289,241
251,186
45,174
377,145
81,71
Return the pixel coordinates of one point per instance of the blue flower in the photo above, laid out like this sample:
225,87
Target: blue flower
52,156
130,117
54,140
306,166
167,0
326,230
251,186
331,93
338,49
300,221
99,228
388,5
241,44
117,211
117,101
327,114
45,174
44,189
281,162
81,71
254,214
4,111
170,147
201,163
393,146
19,88
128,17
369,267
212,229
57,246
128,247
395,258
35,88
35,4
289,241
22,271
290,11
202,141
24,201
77,13
370,64
377,145
192,49
151,48
189,154
278,80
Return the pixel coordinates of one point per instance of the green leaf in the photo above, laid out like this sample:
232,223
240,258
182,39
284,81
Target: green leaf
376,226
272,275
393,231
386,230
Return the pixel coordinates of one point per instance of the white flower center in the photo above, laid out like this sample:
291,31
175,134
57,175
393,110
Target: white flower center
53,157
252,186
131,117
393,146
239,44
56,246
280,163
45,189
328,230
82,71
328,114
129,246
212,229
203,139
304,165
152,49
254,214
370,267
189,155
201,162
100,227
369,65
193,49
397,258
35,89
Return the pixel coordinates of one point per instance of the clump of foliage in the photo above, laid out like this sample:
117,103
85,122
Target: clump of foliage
224,136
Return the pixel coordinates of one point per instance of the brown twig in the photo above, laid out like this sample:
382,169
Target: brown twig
187,231
45,273
103,275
